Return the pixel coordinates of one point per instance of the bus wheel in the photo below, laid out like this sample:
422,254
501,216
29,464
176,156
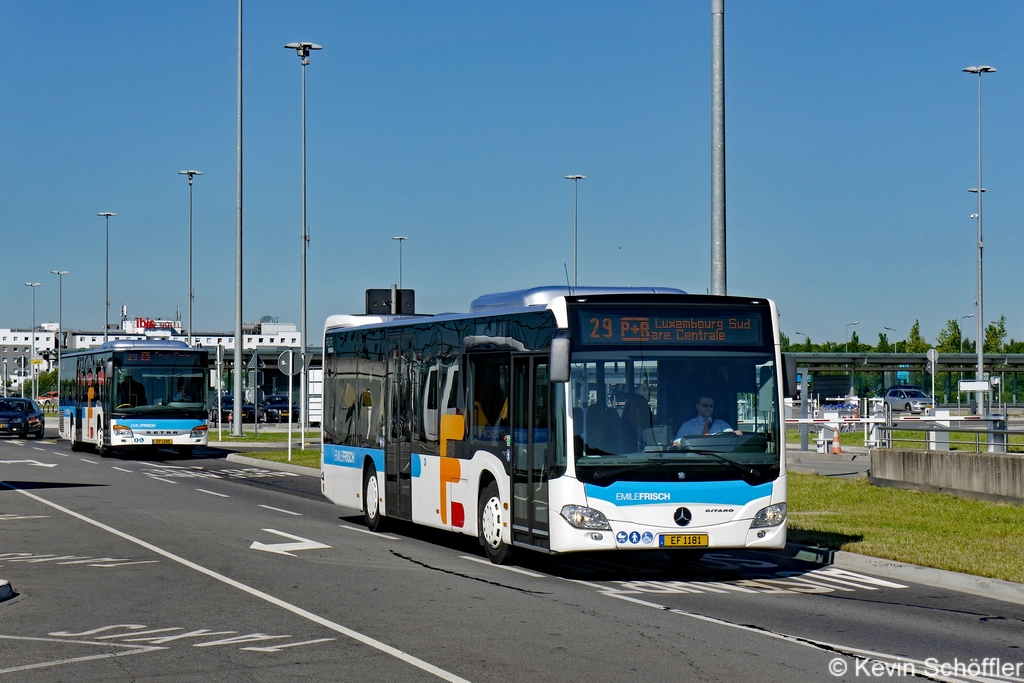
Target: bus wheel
490,525
371,499
185,451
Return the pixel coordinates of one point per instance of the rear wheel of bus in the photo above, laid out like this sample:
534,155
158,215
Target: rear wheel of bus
371,499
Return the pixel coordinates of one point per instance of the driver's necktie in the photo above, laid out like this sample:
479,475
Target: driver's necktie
707,423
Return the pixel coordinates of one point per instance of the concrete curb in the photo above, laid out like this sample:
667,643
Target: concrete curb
6,592
995,589
271,465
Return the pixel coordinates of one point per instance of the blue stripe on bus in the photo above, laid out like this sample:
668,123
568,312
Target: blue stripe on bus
159,423
347,456
696,492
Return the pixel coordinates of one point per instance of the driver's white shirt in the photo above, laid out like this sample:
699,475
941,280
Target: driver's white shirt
695,427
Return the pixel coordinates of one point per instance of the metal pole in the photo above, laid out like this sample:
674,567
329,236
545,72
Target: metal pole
190,293
35,384
718,263
575,231
60,319
106,282
302,333
980,304
239,365
291,366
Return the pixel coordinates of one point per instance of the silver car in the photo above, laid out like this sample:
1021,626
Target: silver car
909,399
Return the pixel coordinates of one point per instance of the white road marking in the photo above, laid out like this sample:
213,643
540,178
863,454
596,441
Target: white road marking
283,548
132,650
238,640
170,467
42,558
138,633
118,563
96,630
59,453
34,463
121,469
10,516
91,462
287,512
214,493
294,609
517,570
278,648
367,531
167,481
199,633
37,448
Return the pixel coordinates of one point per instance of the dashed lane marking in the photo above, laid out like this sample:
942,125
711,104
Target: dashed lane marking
214,493
121,469
517,570
91,462
11,516
166,481
59,453
287,512
371,533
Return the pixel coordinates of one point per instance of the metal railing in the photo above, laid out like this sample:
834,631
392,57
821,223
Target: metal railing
999,445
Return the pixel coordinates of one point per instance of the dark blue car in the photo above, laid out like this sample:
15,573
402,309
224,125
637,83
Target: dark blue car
21,417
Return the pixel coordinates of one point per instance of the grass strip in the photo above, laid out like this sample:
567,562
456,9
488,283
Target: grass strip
929,529
262,437
305,458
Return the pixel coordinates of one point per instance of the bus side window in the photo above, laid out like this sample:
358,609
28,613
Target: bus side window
489,396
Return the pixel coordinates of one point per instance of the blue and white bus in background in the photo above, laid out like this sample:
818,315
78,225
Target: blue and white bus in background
144,394
556,419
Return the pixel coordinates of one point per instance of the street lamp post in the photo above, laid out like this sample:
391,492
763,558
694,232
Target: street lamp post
302,50
575,216
400,240
963,318
35,384
60,317
191,294
979,302
848,325
106,278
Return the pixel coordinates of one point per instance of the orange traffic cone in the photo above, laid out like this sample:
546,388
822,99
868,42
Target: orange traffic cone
836,448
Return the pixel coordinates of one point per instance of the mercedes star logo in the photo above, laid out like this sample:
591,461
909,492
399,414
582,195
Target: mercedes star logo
682,516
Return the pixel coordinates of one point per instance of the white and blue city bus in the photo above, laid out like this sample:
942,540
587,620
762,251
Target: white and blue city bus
551,419
144,394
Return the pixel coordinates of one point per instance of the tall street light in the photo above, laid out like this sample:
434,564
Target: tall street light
575,215
400,240
963,318
302,50
106,278
191,294
35,387
60,316
979,190
848,325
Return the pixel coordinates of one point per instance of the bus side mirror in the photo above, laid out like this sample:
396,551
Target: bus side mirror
790,388
559,360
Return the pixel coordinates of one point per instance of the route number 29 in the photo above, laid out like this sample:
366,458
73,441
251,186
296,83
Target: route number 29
600,324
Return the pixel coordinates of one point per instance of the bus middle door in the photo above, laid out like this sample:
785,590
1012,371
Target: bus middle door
398,448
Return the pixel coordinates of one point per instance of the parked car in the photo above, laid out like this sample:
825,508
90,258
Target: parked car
21,417
279,410
227,407
908,398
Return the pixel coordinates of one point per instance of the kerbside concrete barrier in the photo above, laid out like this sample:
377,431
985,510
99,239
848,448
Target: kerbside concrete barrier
987,476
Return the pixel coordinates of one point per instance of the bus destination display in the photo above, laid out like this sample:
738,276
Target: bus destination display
603,327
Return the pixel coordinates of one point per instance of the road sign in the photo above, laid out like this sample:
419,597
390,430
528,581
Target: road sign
255,378
930,367
932,355
973,385
255,362
37,361
286,363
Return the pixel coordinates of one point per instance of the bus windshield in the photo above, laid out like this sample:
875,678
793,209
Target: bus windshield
177,388
675,415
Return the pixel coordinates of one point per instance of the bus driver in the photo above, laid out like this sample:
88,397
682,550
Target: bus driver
704,424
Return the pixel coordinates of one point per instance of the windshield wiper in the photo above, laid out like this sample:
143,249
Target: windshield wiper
746,469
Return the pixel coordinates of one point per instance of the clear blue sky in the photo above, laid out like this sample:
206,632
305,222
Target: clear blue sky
851,143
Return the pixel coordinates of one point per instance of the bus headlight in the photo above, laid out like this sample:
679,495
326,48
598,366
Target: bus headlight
198,432
585,518
773,515
121,431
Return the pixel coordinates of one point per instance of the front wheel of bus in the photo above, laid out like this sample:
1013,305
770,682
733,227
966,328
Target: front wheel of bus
76,445
490,525
371,499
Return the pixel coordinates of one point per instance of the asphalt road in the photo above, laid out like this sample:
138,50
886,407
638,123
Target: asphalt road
164,569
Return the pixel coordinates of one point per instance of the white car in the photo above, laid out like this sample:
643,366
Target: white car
908,399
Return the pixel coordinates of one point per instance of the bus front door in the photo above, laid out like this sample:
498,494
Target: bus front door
531,417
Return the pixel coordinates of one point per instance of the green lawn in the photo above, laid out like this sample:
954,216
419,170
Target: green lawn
306,458
928,529
263,437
